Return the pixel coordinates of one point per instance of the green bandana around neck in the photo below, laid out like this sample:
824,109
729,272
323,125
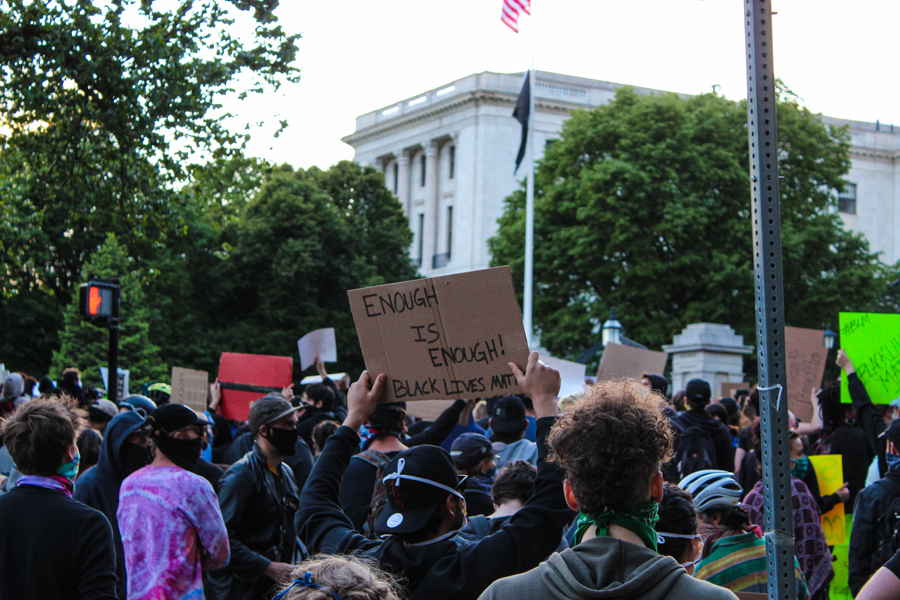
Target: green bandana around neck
641,520
800,467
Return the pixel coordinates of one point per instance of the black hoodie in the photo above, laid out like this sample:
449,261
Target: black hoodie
99,486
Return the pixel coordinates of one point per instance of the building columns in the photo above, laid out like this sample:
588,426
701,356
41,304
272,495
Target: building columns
429,245
403,180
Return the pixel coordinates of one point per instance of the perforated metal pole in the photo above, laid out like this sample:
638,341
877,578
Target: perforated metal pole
766,216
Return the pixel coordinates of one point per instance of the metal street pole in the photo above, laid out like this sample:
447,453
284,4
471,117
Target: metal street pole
766,215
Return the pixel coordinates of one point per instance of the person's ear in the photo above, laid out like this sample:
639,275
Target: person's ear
656,487
71,453
569,494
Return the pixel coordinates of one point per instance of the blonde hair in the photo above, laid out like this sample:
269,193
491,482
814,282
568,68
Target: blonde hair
346,577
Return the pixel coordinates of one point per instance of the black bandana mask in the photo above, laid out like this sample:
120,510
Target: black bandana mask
184,453
284,440
133,457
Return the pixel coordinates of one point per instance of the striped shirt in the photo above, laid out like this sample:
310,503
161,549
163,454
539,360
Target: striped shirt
738,562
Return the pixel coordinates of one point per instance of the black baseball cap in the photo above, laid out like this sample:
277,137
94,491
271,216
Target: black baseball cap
508,415
697,391
169,418
469,449
416,481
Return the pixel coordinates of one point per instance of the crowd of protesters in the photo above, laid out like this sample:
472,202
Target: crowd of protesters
621,491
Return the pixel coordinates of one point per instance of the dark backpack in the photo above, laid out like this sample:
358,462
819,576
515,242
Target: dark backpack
379,498
694,449
888,527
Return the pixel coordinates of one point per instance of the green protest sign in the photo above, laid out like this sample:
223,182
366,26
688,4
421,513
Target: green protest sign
872,342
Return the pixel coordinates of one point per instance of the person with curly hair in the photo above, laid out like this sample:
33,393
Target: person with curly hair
611,446
329,577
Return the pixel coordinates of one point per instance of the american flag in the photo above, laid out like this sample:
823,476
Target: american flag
510,13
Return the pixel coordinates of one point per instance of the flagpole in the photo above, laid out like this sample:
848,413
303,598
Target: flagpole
528,303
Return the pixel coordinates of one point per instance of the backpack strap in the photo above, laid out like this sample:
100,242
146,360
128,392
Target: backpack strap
373,457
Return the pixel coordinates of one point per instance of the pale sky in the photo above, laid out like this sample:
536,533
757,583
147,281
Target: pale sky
357,56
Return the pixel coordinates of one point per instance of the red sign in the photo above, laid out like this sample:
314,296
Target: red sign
244,378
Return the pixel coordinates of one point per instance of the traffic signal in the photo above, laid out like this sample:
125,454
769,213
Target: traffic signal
98,301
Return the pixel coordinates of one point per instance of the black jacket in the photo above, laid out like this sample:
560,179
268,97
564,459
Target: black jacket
871,504
258,509
99,486
449,568
718,432
300,463
54,547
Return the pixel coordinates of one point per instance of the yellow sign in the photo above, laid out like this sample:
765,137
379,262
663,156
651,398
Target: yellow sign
830,475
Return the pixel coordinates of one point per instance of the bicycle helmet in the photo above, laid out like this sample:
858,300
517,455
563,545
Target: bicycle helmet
159,392
711,488
139,404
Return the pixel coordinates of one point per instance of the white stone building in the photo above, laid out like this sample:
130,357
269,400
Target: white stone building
449,153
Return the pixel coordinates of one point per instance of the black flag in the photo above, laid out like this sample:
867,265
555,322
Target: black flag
523,107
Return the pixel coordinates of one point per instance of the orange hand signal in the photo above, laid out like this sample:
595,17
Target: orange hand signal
94,301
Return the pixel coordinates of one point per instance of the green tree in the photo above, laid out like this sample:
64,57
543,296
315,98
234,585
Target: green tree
643,204
103,105
86,346
304,240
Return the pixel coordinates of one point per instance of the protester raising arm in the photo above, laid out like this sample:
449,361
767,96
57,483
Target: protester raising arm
865,410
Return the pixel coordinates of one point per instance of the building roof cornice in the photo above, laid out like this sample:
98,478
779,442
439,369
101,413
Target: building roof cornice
454,103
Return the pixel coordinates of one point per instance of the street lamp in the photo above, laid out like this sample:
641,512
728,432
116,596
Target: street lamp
829,337
612,330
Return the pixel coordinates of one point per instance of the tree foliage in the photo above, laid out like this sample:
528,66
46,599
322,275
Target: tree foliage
304,240
104,106
643,204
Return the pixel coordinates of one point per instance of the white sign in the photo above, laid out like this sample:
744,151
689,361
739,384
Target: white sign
572,374
319,343
122,389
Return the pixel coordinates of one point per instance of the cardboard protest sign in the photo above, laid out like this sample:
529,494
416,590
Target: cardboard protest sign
319,343
572,374
730,388
830,475
806,356
872,342
245,378
429,410
619,362
190,387
122,380
442,337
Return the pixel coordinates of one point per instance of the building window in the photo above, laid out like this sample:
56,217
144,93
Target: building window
847,199
452,161
423,170
449,231
396,177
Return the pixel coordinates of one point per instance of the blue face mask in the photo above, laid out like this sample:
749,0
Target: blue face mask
70,469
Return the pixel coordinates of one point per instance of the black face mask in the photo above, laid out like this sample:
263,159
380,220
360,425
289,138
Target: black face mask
133,457
184,453
284,440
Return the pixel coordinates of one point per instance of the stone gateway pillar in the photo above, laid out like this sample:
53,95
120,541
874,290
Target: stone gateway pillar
709,351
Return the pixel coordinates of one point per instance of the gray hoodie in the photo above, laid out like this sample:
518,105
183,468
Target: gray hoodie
608,569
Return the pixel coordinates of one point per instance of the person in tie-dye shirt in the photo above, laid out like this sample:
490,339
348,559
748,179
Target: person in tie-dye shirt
171,525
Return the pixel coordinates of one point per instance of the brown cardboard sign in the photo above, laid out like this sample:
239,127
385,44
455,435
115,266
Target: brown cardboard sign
729,388
190,387
428,410
806,357
442,337
620,362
